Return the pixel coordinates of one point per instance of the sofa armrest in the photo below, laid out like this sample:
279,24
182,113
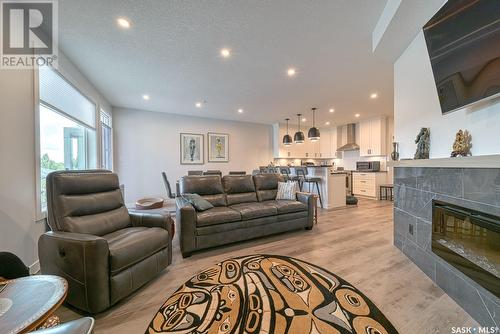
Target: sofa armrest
186,220
139,219
83,260
308,199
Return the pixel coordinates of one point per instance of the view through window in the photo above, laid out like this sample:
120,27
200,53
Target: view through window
66,128
106,144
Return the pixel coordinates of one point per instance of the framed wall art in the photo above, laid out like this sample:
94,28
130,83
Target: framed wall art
192,149
218,147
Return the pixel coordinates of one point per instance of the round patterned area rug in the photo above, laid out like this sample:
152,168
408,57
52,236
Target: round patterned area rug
268,294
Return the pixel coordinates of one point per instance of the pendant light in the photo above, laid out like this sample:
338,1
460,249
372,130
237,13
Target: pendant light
298,137
313,133
287,139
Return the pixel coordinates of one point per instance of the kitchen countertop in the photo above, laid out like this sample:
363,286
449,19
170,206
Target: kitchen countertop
326,166
369,171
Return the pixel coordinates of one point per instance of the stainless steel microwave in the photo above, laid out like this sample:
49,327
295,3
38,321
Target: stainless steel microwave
368,166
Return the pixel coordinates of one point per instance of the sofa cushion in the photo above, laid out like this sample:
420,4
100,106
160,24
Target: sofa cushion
207,186
266,186
254,210
217,215
239,189
285,206
131,245
239,225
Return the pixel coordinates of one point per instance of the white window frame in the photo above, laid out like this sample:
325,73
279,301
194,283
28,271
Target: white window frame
101,137
41,215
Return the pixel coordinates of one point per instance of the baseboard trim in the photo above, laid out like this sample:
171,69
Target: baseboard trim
34,268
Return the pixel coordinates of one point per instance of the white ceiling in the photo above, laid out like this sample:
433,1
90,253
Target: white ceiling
171,52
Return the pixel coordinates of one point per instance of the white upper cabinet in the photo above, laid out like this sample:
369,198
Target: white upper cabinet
325,144
372,137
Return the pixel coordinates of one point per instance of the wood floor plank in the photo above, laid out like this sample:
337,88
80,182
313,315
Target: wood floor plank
354,243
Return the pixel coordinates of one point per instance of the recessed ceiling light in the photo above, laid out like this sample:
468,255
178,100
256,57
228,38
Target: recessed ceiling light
331,110
357,115
123,22
291,72
226,53
198,104
303,119
240,111
374,96
145,97
327,123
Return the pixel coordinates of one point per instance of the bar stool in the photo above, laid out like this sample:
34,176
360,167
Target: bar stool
287,174
388,191
302,174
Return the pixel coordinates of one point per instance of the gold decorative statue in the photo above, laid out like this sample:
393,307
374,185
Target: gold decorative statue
462,144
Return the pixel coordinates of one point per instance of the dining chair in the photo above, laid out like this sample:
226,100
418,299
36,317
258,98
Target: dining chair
213,172
195,172
237,173
167,186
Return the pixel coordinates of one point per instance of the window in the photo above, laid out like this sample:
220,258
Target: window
106,141
67,135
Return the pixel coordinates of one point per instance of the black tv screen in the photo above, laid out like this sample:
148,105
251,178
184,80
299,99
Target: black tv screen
463,40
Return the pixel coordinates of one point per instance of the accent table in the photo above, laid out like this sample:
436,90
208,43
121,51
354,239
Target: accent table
26,303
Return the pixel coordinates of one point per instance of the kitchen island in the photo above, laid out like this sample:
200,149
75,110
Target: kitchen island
332,186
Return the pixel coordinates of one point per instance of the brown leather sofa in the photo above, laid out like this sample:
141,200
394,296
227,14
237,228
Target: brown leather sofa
245,207
102,250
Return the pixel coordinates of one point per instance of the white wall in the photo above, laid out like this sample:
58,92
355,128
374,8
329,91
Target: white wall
147,143
18,230
416,105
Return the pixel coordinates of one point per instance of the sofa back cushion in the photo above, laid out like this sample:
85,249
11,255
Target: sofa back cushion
239,189
87,202
266,186
207,186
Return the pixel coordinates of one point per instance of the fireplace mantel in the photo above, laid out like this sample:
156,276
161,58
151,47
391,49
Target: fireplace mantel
482,161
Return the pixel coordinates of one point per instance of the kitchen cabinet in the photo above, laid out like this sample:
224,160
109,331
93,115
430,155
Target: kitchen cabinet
367,184
372,137
325,144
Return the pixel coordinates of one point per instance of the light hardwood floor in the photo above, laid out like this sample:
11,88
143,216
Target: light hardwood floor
355,243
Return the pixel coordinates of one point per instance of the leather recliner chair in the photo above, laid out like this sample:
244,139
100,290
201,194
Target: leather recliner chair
102,250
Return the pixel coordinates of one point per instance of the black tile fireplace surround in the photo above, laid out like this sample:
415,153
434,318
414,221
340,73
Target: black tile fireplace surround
477,190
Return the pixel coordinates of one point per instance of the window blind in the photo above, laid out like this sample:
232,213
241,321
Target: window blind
59,93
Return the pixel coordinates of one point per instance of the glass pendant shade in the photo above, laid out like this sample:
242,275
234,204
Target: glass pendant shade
287,139
299,137
313,133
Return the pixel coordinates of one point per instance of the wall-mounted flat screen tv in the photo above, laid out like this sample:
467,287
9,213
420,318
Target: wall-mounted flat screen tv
463,40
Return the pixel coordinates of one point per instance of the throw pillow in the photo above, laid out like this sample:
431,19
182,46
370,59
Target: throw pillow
199,203
287,190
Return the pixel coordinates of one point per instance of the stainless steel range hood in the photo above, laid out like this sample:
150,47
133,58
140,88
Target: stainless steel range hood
350,145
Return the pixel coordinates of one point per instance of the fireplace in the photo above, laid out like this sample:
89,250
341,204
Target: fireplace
468,240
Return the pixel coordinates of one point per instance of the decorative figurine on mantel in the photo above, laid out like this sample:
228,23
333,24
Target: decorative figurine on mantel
462,144
423,144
